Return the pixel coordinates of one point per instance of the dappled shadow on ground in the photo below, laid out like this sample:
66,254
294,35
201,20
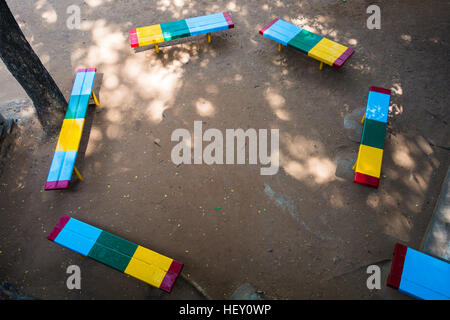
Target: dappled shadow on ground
283,233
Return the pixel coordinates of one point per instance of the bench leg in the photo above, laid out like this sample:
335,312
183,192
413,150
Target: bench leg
362,120
279,47
157,48
354,167
209,37
321,66
78,173
95,99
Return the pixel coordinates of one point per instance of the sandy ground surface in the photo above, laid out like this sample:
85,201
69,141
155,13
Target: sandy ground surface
307,232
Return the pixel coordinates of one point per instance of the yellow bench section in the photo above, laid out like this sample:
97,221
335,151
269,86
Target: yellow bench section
153,273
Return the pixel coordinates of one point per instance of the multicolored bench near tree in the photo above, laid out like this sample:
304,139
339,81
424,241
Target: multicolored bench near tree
180,29
419,275
315,46
368,164
63,163
118,253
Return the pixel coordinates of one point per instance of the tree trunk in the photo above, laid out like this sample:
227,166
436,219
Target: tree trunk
25,66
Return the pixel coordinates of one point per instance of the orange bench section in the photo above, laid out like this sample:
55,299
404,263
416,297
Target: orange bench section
118,253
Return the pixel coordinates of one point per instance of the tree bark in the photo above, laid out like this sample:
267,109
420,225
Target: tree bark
25,66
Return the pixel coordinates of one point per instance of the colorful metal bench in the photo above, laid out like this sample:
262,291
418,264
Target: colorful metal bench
63,163
368,164
419,275
315,46
180,29
118,253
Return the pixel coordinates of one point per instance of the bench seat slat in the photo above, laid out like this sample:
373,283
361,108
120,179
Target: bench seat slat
78,83
151,274
378,106
367,180
133,38
77,106
78,236
327,51
341,60
373,133
109,256
88,83
305,41
157,259
117,243
60,167
282,32
207,24
70,135
149,35
433,284
175,30
369,160
118,253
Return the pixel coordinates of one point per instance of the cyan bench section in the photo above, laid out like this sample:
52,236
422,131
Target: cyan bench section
314,45
180,29
63,163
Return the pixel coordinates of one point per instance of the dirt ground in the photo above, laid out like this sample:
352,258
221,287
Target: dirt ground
307,232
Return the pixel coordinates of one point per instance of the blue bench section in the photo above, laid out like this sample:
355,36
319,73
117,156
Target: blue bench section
282,31
370,156
206,24
419,275
378,104
63,163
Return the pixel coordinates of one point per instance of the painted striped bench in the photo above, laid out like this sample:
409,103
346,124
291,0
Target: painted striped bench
180,29
118,253
315,46
368,164
63,163
419,275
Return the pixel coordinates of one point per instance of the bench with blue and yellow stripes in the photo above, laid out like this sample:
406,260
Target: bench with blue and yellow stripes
63,163
180,29
314,45
368,164
118,253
